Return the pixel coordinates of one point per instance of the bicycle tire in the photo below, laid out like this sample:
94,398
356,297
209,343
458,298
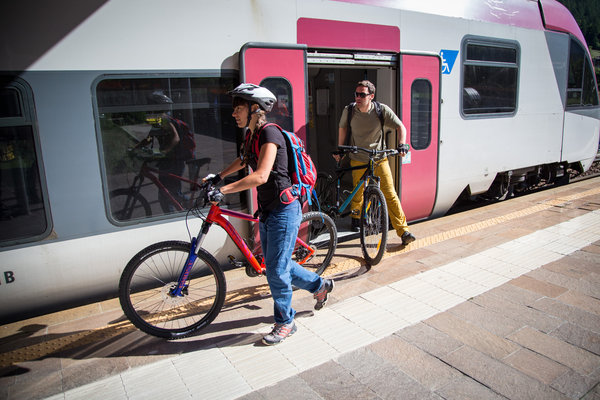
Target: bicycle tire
318,230
325,189
144,290
121,211
373,225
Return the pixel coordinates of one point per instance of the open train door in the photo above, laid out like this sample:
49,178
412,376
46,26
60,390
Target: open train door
420,77
281,69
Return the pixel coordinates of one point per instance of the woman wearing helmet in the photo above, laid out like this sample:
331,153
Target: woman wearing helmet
279,222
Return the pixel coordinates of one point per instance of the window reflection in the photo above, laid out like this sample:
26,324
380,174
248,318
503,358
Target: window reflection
159,137
490,77
23,214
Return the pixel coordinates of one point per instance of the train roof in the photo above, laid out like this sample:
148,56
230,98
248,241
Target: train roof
532,14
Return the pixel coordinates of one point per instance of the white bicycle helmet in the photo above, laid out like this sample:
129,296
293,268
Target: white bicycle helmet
256,94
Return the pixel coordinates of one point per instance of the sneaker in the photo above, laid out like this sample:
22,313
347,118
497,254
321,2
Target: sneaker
355,225
279,333
322,294
408,238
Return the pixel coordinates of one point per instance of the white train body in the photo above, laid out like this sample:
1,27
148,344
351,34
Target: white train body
490,92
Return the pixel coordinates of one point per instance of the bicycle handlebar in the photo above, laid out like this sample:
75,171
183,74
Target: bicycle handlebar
342,149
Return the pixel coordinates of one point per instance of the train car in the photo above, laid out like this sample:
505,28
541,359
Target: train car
496,95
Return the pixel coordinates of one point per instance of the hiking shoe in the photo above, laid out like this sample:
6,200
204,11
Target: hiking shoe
407,238
322,294
355,225
279,333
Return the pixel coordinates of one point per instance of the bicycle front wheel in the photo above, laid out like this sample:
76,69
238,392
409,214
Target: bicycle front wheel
318,231
373,225
145,290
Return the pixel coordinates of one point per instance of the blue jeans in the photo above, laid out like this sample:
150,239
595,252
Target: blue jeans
278,234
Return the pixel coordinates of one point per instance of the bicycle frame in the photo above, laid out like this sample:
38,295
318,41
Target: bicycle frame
363,181
215,215
152,174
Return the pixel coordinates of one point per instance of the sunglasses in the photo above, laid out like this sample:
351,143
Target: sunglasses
361,95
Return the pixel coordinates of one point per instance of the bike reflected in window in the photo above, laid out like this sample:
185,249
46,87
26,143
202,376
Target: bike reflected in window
159,136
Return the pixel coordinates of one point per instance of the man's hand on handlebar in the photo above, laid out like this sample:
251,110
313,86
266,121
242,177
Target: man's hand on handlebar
403,149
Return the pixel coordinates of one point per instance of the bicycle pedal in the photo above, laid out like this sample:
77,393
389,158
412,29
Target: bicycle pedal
235,263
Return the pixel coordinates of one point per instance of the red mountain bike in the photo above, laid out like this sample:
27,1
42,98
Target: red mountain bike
173,289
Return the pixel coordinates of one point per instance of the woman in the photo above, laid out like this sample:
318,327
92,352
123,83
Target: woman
279,222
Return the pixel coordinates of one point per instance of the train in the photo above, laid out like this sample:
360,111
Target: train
496,95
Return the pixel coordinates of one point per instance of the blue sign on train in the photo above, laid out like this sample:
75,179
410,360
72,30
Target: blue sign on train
448,59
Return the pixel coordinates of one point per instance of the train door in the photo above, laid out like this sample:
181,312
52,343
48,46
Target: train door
420,99
283,71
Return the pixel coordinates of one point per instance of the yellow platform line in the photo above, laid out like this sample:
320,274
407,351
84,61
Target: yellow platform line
72,341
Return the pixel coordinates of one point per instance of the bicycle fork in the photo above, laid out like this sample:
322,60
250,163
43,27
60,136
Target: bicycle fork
181,289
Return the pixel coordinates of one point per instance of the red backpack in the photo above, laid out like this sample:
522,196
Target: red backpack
304,174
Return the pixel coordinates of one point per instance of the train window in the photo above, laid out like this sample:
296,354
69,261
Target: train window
420,114
24,212
581,90
282,111
490,77
157,134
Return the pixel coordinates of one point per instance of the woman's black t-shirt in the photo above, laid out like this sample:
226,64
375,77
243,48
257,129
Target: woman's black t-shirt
279,179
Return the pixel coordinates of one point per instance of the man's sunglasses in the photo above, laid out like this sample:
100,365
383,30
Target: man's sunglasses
361,95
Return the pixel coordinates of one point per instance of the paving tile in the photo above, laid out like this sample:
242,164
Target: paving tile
485,318
472,335
370,317
581,301
573,357
575,385
294,387
340,333
111,388
499,377
579,337
334,382
535,365
210,365
465,388
579,285
426,369
518,312
381,377
429,339
534,285
248,357
569,313
43,386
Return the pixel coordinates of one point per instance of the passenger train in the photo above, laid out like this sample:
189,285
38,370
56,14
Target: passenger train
496,95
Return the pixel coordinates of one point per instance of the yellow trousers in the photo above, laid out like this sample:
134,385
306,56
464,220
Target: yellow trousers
383,171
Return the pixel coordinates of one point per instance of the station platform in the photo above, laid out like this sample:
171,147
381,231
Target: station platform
498,302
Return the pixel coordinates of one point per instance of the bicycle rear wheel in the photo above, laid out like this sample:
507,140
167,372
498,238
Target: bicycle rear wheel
325,190
126,204
373,225
146,284
319,232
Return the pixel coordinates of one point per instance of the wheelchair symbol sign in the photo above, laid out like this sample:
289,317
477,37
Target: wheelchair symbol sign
448,59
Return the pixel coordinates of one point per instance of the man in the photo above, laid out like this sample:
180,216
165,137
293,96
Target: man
366,131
